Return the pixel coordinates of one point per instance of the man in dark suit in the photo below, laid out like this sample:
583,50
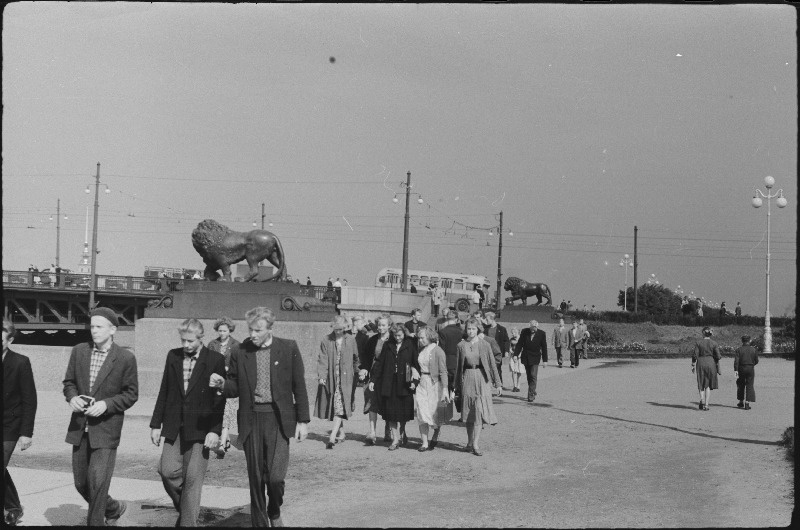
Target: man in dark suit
449,337
500,335
19,411
191,415
532,344
266,373
415,324
100,384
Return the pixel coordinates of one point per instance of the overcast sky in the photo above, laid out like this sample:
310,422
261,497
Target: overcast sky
578,122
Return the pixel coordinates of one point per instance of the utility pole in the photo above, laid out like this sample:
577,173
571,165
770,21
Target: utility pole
635,269
405,235
93,282
58,234
499,264
262,216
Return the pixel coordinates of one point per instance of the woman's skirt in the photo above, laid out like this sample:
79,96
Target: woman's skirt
706,370
372,398
229,416
515,363
476,393
426,400
397,408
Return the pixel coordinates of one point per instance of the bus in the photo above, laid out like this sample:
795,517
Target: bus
457,286
178,273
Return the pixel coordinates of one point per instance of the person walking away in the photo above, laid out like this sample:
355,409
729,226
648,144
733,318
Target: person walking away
189,418
745,358
224,344
532,350
432,390
394,369
499,333
273,405
517,369
337,361
475,370
372,400
449,338
575,344
482,296
100,384
706,357
19,414
414,325
560,341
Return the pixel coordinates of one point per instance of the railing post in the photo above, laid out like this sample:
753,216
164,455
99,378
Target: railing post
129,283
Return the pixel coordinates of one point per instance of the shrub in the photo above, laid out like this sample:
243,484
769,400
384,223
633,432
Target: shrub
600,334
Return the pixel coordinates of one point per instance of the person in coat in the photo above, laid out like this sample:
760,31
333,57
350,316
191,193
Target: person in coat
268,377
514,364
744,361
393,371
706,357
432,389
450,336
532,349
475,369
372,394
188,415
100,384
224,344
19,413
497,332
560,340
575,344
415,323
337,361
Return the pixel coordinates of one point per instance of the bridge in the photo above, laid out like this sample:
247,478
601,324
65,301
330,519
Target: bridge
47,301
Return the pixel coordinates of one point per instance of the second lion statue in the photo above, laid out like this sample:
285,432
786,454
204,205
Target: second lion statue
521,290
220,247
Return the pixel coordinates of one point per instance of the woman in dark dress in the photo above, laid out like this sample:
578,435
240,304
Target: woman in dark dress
371,352
397,359
706,356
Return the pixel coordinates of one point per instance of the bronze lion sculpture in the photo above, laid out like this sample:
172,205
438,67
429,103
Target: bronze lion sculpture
521,290
220,247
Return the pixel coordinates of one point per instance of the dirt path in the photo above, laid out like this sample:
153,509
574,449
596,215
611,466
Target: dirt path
611,444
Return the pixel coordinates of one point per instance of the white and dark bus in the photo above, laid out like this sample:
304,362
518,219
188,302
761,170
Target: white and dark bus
457,286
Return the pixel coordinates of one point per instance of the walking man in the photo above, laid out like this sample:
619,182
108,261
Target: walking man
500,334
575,344
532,344
560,340
745,360
189,417
415,324
19,412
100,384
449,337
266,373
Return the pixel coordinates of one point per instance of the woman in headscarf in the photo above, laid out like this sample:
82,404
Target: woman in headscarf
705,363
336,363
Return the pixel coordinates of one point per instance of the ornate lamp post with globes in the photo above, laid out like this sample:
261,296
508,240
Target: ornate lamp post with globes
757,201
625,262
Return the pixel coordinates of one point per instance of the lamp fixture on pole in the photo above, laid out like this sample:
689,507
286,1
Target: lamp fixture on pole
757,201
625,262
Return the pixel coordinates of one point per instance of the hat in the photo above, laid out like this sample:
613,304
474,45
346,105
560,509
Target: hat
106,313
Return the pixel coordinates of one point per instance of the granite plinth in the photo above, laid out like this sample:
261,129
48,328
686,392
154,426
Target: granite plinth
526,313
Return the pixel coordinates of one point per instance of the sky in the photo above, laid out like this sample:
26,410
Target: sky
577,122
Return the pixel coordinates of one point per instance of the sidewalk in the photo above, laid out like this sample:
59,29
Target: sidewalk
49,498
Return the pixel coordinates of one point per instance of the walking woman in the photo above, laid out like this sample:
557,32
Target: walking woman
744,361
474,371
706,356
225,344
393,372
432,388
371,352
514,363
336,363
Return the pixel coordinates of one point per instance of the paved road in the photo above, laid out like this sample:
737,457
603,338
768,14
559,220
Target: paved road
613,443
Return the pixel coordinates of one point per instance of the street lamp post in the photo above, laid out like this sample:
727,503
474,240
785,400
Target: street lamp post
407,184
781,201
93,281
58,232
626,262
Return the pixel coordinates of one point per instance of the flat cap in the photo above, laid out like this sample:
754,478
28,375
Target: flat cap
106,313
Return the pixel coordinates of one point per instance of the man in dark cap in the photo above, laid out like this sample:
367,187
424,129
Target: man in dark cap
100,384
745,359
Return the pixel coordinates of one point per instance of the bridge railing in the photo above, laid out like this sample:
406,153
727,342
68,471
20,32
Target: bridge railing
80,282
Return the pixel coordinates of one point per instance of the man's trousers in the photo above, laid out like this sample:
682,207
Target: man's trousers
92,470
183,469
267,454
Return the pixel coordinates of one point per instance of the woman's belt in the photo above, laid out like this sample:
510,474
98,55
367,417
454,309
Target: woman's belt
425,373
471,367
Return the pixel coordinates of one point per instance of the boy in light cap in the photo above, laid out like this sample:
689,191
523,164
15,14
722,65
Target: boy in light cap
100,384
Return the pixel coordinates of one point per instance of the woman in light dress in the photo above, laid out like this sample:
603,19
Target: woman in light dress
517,369
432,389
337,361
475,370
705,363
225,344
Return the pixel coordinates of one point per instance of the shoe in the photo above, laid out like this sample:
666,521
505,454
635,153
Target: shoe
276,522
341,440
393,447
434,440
13,517
123,505
740,405
560,365
468,449
404,440
423,448
329,445
572,366
705,407
370,440
700,406
476,452
747,406
530,400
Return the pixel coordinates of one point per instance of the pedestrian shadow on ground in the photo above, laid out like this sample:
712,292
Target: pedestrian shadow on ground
690,407
66,514
684,431
520,400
